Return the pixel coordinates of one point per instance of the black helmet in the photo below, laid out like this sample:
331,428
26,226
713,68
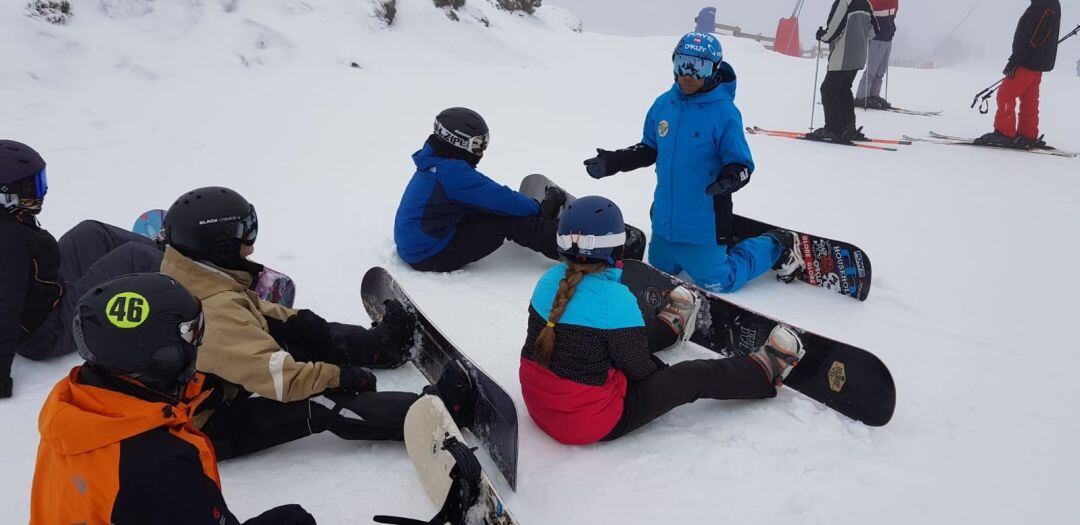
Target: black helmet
210,224
463,128
22,176
144,325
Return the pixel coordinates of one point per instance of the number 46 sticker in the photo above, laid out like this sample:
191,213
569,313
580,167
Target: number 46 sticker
127,310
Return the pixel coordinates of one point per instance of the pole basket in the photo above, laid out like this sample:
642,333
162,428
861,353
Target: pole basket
787,37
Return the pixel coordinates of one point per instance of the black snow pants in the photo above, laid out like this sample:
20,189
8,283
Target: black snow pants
250,424
838,100
686,382
90,253
480,234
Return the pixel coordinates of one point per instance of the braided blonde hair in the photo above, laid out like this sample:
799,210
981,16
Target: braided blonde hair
575,272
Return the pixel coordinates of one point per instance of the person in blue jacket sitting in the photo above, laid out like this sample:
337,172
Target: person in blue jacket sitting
695,136
452,215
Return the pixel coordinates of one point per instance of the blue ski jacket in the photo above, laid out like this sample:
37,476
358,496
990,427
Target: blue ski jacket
695,136
439,195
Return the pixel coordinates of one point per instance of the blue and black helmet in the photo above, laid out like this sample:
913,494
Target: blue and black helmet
591,229
697,55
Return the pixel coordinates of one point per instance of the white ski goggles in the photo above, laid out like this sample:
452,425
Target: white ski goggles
475,145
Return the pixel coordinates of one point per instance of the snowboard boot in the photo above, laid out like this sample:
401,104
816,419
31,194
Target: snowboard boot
680,312
996,139
393,336
780,354
458,392
554,199
6,386
790,265
635,244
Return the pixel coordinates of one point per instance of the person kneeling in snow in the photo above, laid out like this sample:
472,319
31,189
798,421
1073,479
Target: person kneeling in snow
587,368
117,441
285,356
694,135
452,215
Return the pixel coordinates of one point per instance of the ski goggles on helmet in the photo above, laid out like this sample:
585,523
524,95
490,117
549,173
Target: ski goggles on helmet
32,187
247,228
690,66
475,145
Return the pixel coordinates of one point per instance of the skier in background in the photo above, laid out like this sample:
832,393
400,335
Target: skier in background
587,370
877,64
451,214
1034,51
849,30
285,356
692,208
117,442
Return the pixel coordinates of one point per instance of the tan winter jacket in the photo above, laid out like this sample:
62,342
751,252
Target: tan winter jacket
237,346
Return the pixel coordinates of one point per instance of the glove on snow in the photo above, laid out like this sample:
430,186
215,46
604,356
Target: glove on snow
291,514
732,178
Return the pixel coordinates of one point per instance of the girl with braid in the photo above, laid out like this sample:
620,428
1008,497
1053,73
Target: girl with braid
588,372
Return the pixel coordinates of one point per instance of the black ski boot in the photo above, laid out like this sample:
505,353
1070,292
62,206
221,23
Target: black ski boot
824,134
996,140
1023,142
853,134
877,102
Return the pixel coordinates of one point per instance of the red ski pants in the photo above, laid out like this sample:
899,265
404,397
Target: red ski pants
1024,86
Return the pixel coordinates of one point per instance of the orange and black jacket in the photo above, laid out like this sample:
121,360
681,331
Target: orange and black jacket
29,287
113,454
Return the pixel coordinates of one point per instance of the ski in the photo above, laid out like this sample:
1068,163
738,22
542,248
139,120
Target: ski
847,379
536,184
495,416
436,446
936,138
903,111
802,136
830,264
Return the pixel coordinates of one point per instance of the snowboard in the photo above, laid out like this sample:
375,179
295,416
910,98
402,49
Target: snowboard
273,286
428,427
495,421
847,379
830,264
534,185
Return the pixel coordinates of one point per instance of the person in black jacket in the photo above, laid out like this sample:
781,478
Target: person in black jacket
1034,52
30,259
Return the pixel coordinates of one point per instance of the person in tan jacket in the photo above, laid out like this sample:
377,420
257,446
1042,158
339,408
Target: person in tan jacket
285,356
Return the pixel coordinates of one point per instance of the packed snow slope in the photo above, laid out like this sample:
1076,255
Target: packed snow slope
135,102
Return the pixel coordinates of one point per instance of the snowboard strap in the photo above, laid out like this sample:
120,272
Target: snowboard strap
464,491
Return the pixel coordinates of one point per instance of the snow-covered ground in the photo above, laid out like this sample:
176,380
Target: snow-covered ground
136,101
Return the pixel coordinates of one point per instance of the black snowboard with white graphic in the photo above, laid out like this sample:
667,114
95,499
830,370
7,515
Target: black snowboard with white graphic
536,184
850,380
495,416
834,265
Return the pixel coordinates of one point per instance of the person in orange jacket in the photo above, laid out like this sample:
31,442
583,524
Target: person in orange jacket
117,444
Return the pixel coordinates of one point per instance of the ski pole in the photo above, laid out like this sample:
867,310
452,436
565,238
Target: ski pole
817,70
984,95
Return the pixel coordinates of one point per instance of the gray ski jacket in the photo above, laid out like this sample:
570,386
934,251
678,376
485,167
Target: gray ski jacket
851,27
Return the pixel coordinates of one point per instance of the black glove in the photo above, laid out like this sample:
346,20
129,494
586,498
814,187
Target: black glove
597,167
1010,69
356,379
820,33
291,514
394,335
732,178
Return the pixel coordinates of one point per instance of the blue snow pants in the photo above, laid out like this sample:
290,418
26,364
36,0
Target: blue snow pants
714,267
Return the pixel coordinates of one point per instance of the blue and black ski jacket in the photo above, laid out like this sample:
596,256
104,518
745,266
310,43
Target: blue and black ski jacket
439,195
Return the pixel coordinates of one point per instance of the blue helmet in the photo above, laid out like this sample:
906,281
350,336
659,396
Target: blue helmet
698,55
591,229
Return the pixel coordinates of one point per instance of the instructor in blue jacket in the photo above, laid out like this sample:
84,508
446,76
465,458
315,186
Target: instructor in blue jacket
452,215
694,134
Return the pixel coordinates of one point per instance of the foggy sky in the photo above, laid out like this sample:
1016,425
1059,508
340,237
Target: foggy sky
923,24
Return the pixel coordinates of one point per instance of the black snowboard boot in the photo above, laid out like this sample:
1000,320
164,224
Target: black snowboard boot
394,336
790,265
996,140
6,386
554,199
458,392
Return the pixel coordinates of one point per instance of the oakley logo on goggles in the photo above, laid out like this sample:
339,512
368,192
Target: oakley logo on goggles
688,66
475,145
